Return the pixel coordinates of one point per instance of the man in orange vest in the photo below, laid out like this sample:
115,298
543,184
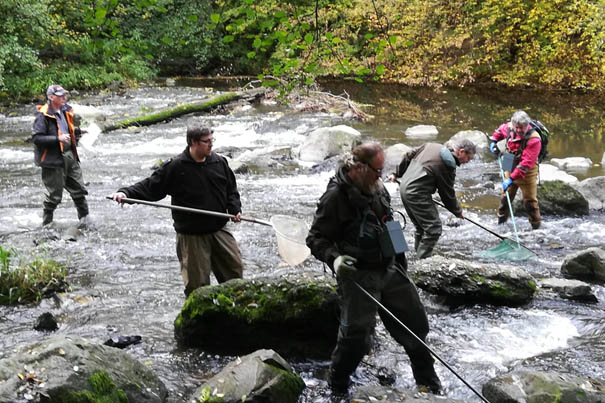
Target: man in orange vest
55,139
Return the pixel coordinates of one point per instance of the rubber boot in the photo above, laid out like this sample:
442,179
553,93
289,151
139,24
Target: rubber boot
338,384
424,250
503,211
417,238
47,217
81,207
533,211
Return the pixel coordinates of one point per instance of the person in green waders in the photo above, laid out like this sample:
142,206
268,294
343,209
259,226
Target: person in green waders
55,137
345,235
423,171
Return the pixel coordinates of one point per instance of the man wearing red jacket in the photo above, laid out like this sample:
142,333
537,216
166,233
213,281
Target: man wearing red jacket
524,142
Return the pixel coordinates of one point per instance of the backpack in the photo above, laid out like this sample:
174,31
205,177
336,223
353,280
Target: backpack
544,134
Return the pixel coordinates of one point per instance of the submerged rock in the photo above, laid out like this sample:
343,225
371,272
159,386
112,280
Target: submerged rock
370,393
422,131
532,386
572,163
46,322
262,376
74,369
465,282
239,316
569,289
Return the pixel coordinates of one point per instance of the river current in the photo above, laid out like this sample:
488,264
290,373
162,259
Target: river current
124,273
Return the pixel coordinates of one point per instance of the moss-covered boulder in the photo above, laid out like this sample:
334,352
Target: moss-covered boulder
586,265
556,198
532,386
465,282
262,376
294,318
66,369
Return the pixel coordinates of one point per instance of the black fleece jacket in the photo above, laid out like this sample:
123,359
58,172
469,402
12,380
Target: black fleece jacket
208,185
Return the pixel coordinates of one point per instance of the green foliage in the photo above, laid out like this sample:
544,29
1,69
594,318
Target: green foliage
46,42
513,42
22,282
542,43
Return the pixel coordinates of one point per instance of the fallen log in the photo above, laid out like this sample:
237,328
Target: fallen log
169,114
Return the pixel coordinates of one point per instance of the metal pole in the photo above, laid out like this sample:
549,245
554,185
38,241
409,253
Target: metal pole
191,210
510,206
487,229
420,340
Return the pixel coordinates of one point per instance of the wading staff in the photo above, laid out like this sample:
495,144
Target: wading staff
510,206
420,340
190,210
487,229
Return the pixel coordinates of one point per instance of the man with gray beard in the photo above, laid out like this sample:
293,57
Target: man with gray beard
346,234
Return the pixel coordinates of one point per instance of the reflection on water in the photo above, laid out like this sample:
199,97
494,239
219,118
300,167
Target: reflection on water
125,276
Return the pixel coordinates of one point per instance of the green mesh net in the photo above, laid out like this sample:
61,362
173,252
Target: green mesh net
507,250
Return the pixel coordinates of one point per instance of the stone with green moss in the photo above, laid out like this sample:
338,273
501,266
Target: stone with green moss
240,316
557,198
468,282
262,376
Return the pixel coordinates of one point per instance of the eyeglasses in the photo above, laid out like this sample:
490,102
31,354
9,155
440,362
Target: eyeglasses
209,141
378,171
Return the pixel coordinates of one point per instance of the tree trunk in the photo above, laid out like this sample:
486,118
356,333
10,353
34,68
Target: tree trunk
169,114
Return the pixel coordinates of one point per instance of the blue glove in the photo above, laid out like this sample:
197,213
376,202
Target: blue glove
506,184
493,147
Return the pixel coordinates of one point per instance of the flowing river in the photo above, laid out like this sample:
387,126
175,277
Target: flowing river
124,274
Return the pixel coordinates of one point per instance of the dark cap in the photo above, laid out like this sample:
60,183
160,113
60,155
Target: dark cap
57,90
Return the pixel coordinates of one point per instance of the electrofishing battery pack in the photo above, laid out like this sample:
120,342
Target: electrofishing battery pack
392,241
508,162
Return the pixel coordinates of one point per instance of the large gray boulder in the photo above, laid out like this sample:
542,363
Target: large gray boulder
69,368
525,386
327,142
586,265
478,138
294,318
262,376
465,282
593,190
556,198
393,156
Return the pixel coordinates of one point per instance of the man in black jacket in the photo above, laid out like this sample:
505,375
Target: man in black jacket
346,235
55,139
197,178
